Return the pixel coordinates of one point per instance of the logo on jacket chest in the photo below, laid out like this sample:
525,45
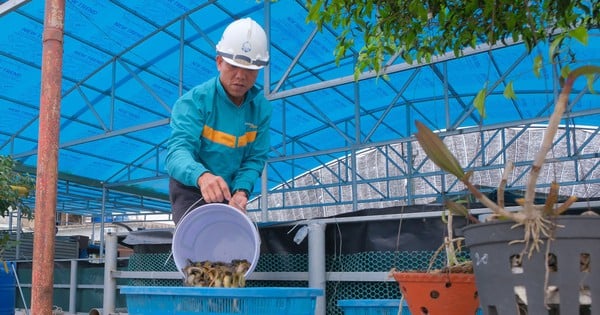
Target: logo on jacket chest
251,126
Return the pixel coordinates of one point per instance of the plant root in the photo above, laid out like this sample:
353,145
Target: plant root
536,228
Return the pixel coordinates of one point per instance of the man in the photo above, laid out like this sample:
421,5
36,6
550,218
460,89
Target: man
220,129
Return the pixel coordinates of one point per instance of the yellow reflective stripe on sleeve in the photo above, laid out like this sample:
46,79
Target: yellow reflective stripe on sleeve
218,137
246,138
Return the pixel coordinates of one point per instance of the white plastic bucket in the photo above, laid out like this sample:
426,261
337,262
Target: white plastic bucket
215,232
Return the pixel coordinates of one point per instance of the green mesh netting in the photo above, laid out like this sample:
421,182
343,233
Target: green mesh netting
358,290
382,261
153,262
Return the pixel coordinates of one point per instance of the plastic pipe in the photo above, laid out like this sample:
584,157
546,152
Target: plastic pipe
264,189
73,287
110,265
316,263
19,227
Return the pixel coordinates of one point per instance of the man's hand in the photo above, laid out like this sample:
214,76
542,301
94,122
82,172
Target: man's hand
239,200
213,188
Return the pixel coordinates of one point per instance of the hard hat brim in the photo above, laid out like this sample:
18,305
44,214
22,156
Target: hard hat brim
241,65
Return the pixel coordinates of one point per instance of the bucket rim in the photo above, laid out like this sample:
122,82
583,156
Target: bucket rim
242,220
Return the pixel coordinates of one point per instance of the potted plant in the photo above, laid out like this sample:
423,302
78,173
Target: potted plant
14,187
449,290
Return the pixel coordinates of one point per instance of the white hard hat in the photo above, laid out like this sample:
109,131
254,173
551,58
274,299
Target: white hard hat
244,44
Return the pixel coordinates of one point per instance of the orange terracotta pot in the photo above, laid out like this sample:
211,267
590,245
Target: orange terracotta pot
439,294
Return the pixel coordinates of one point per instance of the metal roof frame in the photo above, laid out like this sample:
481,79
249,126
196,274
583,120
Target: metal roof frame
125,64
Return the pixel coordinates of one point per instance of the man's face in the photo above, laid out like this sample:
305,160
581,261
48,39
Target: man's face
236,81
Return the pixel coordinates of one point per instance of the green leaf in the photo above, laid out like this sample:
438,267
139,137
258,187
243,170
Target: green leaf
590,83
509,91
314,12
437,151
369,7
564,72
580,34
479,101
357,73
537,65
555,45
456,208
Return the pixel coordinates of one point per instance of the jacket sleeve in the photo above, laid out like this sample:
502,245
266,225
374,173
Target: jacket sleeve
254,160
187,122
